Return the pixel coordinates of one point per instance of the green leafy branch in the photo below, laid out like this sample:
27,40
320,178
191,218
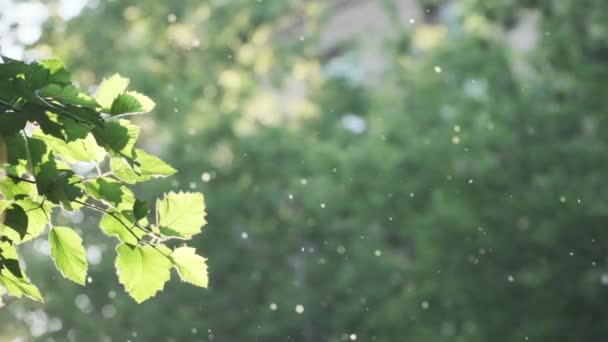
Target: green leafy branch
48,126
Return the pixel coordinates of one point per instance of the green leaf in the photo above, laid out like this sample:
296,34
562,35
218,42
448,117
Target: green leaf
145,102
10,69
131,103
125,103
73,151
152,166
111,192
19,286
123,171
88,150
48,71
140,209
149,167
39,153
181,214
118,137
192,268
12,123
3,205
38,215
14,188
57,71
16,155
111,225
68,253
142,270
57,184
68,94
109,89
9,258
16,219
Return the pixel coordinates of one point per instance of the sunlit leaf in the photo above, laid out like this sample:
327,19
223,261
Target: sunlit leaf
68,253
192,268
118,137
131,102
19,286
12,188
9,258
181,214
149,167
73,151
142,270
152,166
109,89
111,192
117,225
123,171
38,215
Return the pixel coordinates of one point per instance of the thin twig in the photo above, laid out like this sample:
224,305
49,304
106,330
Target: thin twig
101,210
20,179
126,226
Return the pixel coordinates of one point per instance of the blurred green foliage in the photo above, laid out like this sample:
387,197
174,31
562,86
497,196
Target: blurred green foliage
460,197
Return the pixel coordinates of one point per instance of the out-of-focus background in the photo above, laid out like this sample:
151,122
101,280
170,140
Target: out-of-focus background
374,170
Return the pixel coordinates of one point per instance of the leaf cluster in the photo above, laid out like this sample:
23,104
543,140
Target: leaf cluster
52,130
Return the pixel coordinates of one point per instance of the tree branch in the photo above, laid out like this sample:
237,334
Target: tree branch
20,179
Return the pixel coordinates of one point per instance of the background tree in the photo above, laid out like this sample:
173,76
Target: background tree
458,198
